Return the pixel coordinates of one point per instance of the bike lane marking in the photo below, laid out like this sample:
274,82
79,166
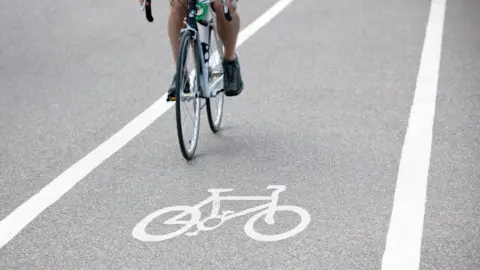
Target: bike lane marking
16,221
268,210
404,237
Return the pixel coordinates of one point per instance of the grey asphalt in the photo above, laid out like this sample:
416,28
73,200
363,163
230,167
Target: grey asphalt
328,91
452,219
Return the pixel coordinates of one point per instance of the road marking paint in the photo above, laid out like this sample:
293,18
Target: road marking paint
404,238
268,211
14,223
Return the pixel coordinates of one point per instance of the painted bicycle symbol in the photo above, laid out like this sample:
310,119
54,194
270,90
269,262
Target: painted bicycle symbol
269,209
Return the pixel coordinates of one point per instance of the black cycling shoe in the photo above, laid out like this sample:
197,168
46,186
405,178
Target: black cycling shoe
232,78
173,88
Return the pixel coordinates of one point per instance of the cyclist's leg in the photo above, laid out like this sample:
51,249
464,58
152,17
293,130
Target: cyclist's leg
228,33
178,11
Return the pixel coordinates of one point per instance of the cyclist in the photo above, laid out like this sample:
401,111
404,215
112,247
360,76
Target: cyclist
227,32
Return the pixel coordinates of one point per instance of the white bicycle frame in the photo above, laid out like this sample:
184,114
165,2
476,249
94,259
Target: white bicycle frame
215,199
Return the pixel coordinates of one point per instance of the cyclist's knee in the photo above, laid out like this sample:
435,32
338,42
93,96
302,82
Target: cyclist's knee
218,7
178,5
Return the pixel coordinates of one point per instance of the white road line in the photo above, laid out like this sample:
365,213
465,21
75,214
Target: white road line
404,238
29,210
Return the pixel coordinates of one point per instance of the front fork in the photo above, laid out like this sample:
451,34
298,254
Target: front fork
202,58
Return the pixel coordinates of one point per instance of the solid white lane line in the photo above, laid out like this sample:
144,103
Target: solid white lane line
14,223
404,238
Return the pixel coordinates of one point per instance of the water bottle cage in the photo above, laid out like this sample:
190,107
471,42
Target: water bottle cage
201,11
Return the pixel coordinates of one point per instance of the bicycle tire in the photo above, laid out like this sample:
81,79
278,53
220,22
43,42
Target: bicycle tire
186,38
215,123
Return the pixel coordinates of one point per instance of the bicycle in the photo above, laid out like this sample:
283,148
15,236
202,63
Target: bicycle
269,210
199,25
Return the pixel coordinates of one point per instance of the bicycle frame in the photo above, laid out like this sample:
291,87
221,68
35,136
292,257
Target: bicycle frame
208,25
215,199
202,34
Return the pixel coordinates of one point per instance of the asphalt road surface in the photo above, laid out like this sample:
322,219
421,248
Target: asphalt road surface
326,112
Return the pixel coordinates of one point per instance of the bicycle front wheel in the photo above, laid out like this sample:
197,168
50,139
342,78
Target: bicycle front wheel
215,104
187,101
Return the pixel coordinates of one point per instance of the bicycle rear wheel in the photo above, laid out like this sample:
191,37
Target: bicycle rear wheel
185,94
215,68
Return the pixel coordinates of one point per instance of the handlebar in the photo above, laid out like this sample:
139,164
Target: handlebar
147,6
